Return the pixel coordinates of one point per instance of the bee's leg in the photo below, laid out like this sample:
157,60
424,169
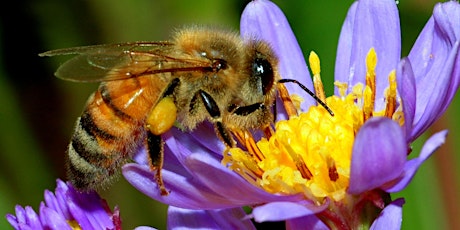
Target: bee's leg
213,110
159,121
155,149
171,87
246,110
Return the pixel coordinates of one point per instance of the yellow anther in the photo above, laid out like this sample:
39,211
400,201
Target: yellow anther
290,107
370,89
358,92
392,81
316,70
162,117
391,96
342,88
314,63
371,62
368,106
299,162
296,101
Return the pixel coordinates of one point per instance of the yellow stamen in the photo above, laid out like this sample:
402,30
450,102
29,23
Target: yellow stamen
316,70
314,63
342,88
291,109
241,162
371,63
311,152
391,96
296,101
368,106
299,162
369,90
246,138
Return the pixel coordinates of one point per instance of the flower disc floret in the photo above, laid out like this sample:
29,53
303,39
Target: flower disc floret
311,153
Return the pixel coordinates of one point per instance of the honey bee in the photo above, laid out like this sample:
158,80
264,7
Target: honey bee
202,74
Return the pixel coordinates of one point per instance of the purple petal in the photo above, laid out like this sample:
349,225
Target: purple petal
343,70
407,92
209,185
66,204
144,228
202,140
32,218
436,55
205,136
411,166
373,24
263,20
58,201
20,218
88,209
52,220
21,213
181,144
189,219
61,197
185,192
26,218
229,184
12,220
50,201
306,222
79,215
279,211
390,217
234,218
379,154
179,218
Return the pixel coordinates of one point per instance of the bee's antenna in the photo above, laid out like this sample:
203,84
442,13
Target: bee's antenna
322,103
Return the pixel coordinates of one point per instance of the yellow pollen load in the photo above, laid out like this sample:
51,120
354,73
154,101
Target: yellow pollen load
162,117
311,153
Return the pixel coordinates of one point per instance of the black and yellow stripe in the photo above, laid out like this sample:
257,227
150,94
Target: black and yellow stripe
102,140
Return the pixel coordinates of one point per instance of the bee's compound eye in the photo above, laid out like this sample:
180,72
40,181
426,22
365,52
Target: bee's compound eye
262,71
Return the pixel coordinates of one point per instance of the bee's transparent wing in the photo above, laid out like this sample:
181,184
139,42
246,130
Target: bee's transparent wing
122,61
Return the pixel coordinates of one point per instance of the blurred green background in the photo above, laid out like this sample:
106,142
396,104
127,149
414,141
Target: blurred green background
37,110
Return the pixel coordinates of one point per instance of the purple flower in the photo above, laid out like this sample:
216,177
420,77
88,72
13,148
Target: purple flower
67,209
231,218
319,171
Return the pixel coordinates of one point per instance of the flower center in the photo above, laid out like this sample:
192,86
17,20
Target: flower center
311,153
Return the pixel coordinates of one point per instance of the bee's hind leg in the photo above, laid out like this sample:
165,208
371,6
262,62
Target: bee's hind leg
155,149
159,121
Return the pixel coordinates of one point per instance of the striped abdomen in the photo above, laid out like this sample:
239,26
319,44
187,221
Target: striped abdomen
110,130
